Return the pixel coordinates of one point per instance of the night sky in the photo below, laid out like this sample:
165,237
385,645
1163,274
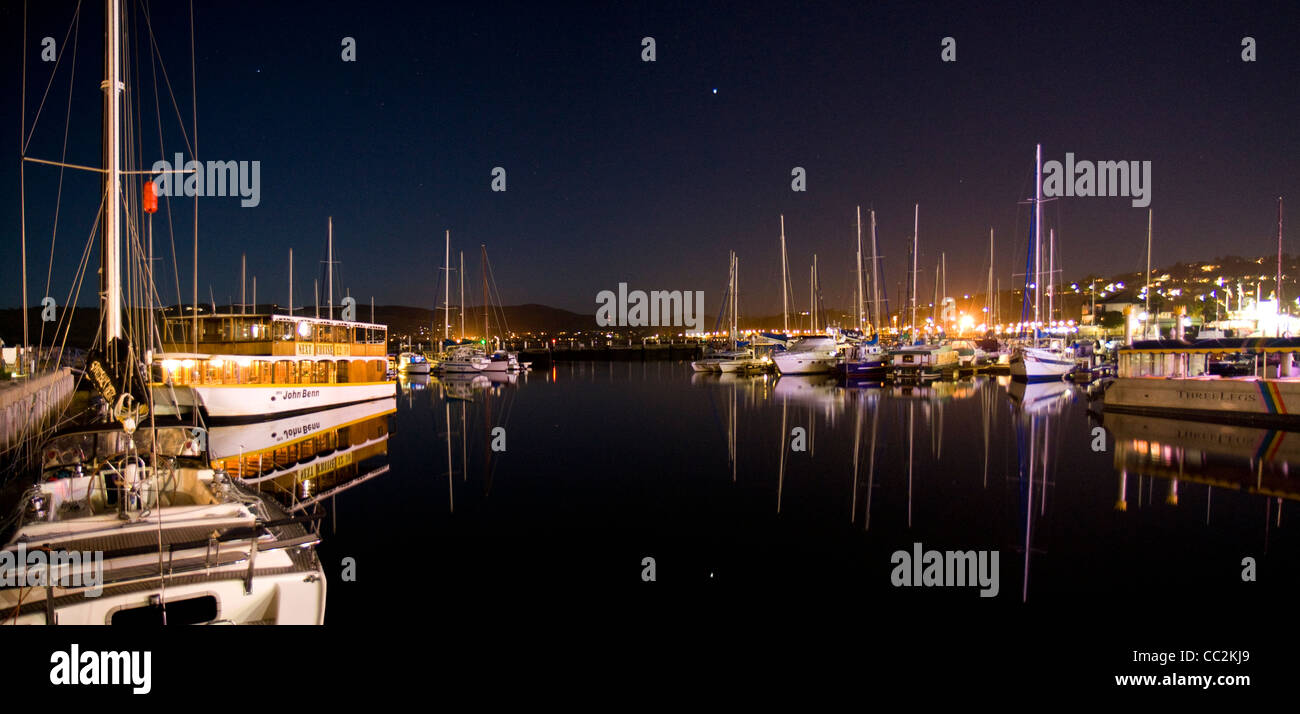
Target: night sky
624,170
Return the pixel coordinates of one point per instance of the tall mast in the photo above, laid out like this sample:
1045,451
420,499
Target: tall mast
988,296
916,223
462,295
243,282
446,289
862,326
731,331
112,247
291,283
934,311
329,269
814,295
1279,264
1147,305
875,278
1038,235
785,282
1051,274
483,269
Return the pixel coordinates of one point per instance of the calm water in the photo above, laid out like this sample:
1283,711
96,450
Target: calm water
607,463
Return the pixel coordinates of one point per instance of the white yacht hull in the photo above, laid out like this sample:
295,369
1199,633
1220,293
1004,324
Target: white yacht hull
1040,365
283,599
795,363
740,365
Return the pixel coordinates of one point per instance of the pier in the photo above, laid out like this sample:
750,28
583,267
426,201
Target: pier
27,406
612,353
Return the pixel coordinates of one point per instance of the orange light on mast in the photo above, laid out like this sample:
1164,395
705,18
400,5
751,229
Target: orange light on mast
150,198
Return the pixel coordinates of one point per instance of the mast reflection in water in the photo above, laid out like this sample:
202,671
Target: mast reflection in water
801,482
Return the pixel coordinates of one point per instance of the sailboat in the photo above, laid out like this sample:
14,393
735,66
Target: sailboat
499,360
734,358
137,525
866,360
1036,361
741,360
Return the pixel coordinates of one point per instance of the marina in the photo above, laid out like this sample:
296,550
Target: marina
985,411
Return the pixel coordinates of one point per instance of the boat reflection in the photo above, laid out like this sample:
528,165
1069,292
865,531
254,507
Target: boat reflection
304,459
1036,408
412,382
1040,397
463,387
1251,460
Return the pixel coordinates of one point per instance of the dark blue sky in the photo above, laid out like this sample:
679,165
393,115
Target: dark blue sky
622,170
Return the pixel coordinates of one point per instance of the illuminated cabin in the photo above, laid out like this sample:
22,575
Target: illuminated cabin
257,365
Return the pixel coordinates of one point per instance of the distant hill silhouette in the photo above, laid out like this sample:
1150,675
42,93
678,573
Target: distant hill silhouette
401,319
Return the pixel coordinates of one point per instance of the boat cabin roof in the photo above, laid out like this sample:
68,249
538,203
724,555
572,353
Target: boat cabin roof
1253,345
278,318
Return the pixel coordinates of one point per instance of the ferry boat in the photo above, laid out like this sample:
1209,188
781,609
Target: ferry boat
172,526
249,366
1172,377
808,355
922,362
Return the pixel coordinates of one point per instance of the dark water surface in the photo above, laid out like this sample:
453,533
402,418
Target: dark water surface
608,463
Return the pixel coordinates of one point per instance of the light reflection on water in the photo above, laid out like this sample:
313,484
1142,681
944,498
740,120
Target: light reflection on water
804,482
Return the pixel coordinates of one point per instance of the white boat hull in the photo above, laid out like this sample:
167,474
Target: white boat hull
235,401
795,363
1040,365
285,599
